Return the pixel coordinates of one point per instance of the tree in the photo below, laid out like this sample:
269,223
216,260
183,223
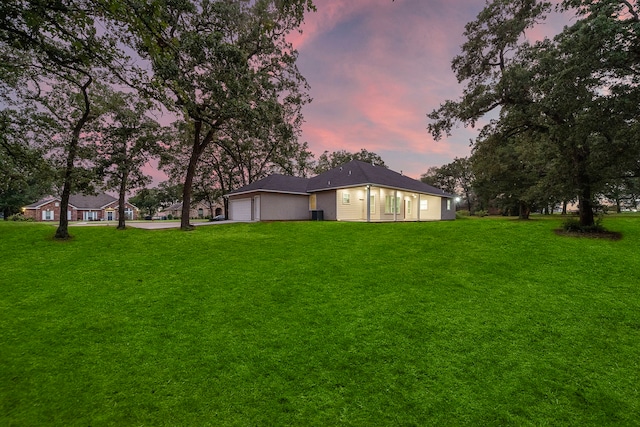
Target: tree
222,65
27,175
575,91
511,173
53,56
328,161
147,200
128,139
456,178
169,194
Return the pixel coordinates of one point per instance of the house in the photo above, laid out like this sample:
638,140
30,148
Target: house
101,207
199,210
355,191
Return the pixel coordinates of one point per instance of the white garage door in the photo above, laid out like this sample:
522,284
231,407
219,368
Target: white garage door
240,210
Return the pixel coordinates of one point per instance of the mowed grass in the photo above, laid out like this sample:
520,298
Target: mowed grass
472,322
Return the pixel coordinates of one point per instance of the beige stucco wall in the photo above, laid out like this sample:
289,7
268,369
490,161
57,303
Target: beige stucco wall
432,213
326,201
411,206
282,207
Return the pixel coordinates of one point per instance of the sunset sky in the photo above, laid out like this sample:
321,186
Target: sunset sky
376,68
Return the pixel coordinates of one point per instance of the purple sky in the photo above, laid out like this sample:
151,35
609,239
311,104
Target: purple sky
376,68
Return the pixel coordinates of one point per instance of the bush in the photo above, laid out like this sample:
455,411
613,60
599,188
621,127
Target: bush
462,212
481,213
19,217
573,225
169,216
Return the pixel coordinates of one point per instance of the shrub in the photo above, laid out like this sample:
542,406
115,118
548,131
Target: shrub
169,216
573,225
462,212
481,213
19,217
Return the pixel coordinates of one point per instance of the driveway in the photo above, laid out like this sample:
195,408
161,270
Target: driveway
147,225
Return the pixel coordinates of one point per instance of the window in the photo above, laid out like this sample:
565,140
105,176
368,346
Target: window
389,202
90,216
408,207
47,215
346,198
312,202
424,205
448,204
128,213
372,203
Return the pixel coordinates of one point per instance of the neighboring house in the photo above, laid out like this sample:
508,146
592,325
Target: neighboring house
355,191
101,207
200,210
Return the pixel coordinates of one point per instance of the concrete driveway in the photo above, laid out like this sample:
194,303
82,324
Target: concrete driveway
159,225
147,225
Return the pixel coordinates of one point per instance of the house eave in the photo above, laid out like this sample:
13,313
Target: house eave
443,194
259,190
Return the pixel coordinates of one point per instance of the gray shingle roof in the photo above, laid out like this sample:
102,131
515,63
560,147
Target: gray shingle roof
276,183
351,174
356,173
80,201
41,202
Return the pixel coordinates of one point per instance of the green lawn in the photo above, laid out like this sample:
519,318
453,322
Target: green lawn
473,322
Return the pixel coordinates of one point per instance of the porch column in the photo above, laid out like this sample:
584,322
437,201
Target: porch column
368,203
395,205
418,207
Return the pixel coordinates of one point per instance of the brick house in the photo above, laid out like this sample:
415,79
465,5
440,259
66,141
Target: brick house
101,207
198,210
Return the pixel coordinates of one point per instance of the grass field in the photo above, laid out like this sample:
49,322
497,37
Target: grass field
473,322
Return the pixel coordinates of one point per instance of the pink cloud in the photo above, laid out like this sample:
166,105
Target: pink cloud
376,68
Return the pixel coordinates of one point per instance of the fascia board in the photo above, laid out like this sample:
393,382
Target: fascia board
266,191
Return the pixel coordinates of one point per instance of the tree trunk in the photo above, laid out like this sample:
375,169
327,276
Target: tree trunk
196,151
524,210
187,188
586,211
585,203
121,201
62,232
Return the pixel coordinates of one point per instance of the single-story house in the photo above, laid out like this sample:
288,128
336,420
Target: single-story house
199,210
101,207
355,191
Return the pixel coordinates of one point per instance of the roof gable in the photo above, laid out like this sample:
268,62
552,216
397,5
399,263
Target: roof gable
42,202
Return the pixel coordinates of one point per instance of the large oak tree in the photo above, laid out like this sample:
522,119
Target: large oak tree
578,91
224,66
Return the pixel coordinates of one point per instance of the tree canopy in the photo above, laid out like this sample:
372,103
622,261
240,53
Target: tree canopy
570,103
224,67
